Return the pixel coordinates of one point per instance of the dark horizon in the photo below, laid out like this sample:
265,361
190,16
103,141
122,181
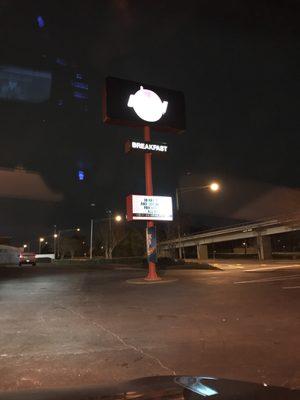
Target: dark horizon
236,64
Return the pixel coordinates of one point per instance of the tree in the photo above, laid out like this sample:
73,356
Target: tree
108,239
70,246
133,245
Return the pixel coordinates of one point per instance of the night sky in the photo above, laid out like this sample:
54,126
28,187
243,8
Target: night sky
237,63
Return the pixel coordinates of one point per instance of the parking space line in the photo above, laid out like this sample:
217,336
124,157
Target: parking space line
271,279
274,268
291,287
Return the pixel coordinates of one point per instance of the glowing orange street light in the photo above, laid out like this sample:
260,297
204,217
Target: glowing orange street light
214,186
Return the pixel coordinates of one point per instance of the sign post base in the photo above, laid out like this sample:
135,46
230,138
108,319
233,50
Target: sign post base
152,275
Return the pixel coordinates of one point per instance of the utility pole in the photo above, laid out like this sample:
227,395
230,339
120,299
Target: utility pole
110,236
92,231
54,242
91,238
58,244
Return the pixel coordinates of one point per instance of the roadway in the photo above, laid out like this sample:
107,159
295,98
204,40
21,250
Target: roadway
69,326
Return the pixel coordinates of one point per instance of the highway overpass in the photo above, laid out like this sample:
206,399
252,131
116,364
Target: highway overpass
261,230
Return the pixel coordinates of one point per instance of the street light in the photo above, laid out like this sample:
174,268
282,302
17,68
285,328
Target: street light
25,246
117,218
213,186
55,236
245,247
78,229
92,230
41,240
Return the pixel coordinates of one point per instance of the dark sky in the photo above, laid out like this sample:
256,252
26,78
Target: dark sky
237,63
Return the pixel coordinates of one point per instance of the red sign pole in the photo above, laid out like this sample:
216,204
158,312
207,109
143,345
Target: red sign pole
152,275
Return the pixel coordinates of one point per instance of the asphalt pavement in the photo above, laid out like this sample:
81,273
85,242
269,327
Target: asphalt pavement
66,326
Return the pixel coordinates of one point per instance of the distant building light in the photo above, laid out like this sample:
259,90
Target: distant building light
60,103
81,175
78,76
61,61
80,85
79,95
40,21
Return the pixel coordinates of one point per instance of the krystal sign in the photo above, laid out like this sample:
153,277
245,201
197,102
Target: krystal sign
147,105
139,104
154,208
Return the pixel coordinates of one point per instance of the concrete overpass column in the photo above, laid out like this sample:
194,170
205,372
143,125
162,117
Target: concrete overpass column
165,252
264,247
202,253
180,251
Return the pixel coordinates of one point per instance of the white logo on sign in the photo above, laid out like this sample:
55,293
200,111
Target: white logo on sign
147,105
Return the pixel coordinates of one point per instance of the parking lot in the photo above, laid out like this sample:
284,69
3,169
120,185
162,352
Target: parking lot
67,326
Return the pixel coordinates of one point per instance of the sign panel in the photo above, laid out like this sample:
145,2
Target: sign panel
151,244
138,104
145,147
149,208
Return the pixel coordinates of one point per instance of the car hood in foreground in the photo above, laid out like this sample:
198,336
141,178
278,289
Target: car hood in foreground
164,388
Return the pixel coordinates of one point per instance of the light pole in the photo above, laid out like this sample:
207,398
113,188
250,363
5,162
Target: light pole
213,186
91,232
109,235
245,247
41,240
117,218
55,236
109,245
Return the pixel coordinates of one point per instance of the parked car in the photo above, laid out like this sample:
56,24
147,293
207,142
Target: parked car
27,258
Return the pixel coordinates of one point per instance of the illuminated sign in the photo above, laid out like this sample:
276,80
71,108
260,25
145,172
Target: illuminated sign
138,104
147,105
149,208
133,145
